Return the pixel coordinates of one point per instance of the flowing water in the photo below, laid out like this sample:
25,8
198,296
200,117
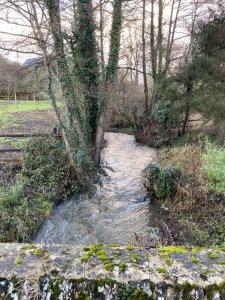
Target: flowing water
117,208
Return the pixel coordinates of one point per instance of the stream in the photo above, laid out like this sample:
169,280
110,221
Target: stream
116,209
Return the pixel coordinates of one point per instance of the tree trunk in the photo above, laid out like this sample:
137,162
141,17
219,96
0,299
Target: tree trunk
69,94
169,47
152,43
111,71
160,40
101,29
144,58
189,87
167,55
86,59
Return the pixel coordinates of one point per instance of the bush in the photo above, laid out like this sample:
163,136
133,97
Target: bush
160,183
47,169
214,168
46,180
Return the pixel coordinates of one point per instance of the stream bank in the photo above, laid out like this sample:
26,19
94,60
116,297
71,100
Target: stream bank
29,193
194,195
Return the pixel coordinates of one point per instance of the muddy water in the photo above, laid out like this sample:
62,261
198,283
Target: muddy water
117,208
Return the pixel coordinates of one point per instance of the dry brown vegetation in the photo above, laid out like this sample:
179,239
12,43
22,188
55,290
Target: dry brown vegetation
196,213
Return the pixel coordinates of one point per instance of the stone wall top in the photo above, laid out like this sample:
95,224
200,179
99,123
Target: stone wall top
109,271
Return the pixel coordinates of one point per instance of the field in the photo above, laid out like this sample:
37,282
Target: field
23,117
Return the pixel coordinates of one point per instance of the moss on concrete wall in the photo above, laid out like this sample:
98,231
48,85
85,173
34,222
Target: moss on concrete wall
110,272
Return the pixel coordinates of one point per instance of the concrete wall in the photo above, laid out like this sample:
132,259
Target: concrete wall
110,272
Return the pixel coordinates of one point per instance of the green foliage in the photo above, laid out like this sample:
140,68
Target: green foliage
160,183
85,59
209,38
130,248
122,267
47,168
198,85
134,258
167,251
168,107
213,255
161,270
18,261
207,69
214,167
195,260
47,178
197,211
12,196
131,293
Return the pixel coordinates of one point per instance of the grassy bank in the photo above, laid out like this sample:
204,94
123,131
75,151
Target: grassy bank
29,193
196,211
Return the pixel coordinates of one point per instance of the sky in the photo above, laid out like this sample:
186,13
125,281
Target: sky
17,30
14,29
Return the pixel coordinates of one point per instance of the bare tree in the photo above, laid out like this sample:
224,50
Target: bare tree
144,58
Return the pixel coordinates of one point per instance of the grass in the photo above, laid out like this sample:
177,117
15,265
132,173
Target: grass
214,168
25,106
14,142
8,109
197,212
31,117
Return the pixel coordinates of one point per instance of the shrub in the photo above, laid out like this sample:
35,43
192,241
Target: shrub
47,169
47,179
160,182
214,168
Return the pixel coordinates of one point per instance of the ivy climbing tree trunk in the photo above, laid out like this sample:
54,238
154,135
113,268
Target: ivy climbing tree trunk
88,125
73,110
101,30
115,36
86,59
111,72
41,42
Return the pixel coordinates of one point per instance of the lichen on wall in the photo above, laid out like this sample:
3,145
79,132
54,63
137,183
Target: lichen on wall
110,272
